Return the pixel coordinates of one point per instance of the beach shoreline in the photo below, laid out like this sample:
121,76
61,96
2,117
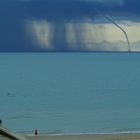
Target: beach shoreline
87,137
123,136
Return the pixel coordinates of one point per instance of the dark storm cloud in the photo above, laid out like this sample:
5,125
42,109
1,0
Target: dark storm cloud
13,14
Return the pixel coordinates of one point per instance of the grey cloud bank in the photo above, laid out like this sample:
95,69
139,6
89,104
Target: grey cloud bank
53,17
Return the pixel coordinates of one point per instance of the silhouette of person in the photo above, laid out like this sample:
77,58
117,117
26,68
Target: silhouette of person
0,123
36,132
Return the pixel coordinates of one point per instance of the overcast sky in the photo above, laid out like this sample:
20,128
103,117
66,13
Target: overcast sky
68,25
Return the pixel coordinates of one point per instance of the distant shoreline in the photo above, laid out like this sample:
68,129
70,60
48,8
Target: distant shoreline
88,137
123,136
54,134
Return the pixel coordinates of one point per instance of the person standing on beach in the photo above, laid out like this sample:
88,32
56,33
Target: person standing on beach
0,123
36,132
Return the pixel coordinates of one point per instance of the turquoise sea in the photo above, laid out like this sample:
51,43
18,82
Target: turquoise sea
70,93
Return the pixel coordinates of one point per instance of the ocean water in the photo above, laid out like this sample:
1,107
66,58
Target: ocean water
70,93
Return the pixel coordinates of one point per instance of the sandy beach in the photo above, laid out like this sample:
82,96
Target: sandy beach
81,137
88,137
